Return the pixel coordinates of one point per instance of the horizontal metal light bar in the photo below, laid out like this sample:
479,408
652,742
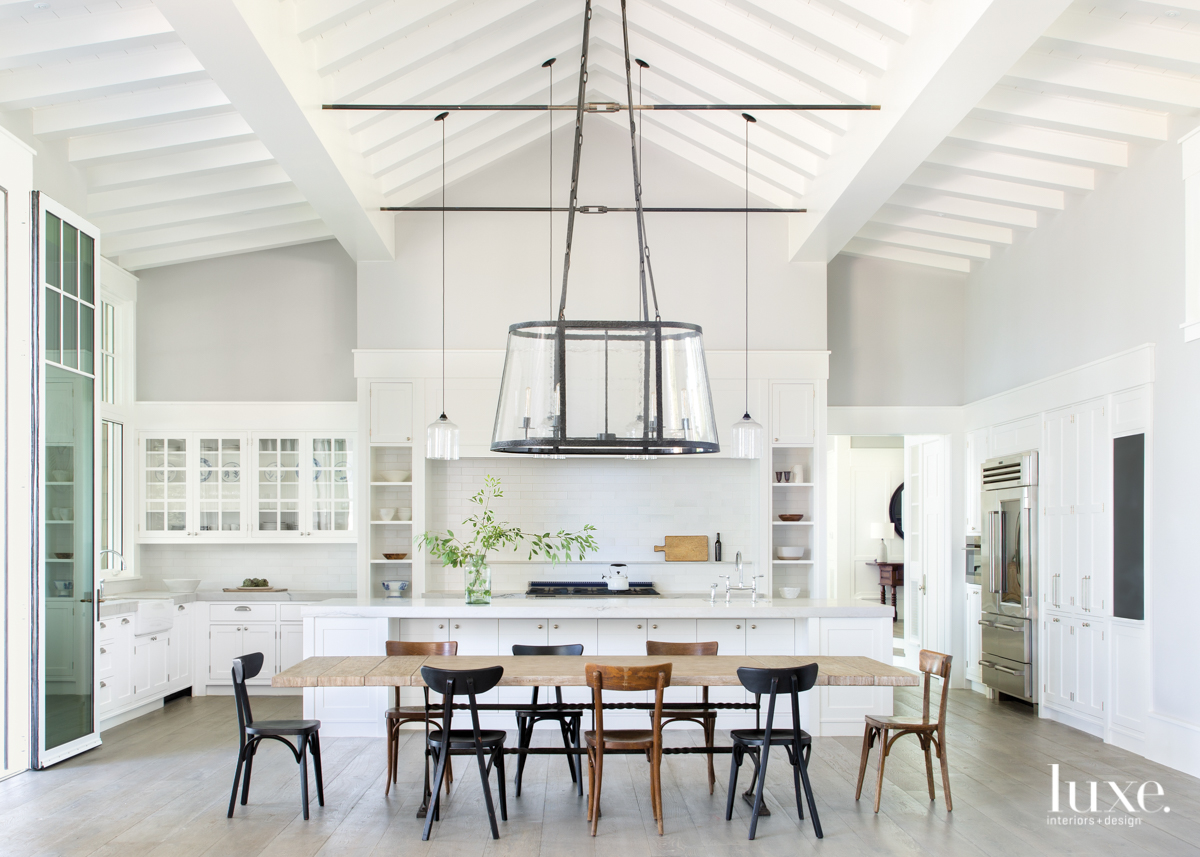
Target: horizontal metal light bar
599,107
593,209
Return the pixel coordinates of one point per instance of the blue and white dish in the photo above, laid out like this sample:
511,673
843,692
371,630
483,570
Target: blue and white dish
205,470
393,588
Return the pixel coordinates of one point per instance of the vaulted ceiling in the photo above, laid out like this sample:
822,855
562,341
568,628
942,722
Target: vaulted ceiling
197,127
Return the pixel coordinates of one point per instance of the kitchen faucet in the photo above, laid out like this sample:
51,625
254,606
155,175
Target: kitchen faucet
740,585
100,582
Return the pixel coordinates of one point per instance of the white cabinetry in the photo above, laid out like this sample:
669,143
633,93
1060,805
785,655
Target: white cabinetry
303,486
291,644
391,411
132,671
974,613
193,485
976,454
793,412
149,666
1076,664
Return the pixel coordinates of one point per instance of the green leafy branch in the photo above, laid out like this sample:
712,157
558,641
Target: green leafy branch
488,534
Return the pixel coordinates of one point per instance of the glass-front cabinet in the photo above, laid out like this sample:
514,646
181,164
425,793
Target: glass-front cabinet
225,486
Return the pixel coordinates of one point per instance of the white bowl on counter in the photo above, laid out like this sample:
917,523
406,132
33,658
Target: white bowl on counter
784,552
789,591
394,588
182,584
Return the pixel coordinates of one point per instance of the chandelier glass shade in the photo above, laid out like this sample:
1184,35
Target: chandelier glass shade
605,388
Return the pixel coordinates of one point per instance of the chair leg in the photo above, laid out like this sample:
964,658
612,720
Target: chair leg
795,759
710,737
862,765
941,748
758,791
883,754
500,782
436,792
304,775
735,762
314,747
596,789
656,788
578,759
487,791
812,801
237,781
522,742
928,765
389,772
566,738
251,749
591,782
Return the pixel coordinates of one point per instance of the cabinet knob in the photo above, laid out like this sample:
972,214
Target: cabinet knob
777,440
639,626
739,627
653,626
179,607
103,650
556,627
1054,620
440,627
102,625
539,627
153,638
456,627
102,684
752,627
1085,625
124,621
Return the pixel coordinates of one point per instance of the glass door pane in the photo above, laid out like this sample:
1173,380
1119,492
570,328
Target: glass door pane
278,485
165,489
219,482
331,495
112,494
1011,572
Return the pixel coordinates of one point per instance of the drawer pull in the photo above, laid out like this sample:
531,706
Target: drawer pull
753,627
243,608
738,627
102,684
1086,624
102,625
456,627
440,627
179,607
103,650
556,627
539,627
654,626
153,639
639,626
124,621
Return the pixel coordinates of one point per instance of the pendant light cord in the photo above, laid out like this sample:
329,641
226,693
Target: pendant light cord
746,249
577,148
645,269
441,118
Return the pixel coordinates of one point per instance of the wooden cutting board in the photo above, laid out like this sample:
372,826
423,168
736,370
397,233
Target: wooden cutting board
684,548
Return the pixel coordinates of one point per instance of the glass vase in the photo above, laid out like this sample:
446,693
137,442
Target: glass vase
478,580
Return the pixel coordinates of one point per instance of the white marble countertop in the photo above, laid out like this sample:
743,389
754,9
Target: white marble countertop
126,602
517,606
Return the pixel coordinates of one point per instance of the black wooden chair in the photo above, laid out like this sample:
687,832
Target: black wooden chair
462,742
757,743
568,718
253,732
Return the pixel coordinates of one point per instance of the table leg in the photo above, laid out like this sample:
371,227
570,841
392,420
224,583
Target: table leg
882,594
895,615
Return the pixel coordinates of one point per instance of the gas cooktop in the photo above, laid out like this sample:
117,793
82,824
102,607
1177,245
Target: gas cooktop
585,589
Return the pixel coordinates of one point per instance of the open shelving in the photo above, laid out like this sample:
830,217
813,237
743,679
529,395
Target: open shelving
395,535
793,497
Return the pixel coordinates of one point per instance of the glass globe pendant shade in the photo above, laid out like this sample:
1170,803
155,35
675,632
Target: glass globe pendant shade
441,440
747,438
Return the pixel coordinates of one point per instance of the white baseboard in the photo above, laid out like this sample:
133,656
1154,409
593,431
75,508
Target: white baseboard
1174,743
1127,739
1066,718
131,714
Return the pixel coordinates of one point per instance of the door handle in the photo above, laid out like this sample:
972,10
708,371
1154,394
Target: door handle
242,609
1009,670
1013,628
987,624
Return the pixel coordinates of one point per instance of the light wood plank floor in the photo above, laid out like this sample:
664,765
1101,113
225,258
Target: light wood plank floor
160,784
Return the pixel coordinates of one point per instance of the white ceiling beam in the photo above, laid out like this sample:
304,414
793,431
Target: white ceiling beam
891,18
233,224
386,23
246,242
937,225
1037,171
116,112
164,137
924,241
109,30
968,209
186,187
1139,87
1100,33
199,209
988,190
1116,121
98,77
1043,142
252,52
111,176
804,24
314,17
939,75
863,247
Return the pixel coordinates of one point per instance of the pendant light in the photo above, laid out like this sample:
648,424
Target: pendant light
747,434
441,436
606,387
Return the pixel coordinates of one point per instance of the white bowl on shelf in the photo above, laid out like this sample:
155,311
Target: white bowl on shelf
789,591
182,584
387,514
786,552
395,476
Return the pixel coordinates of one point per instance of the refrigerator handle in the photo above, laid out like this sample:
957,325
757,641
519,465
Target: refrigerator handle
1027,555
993,538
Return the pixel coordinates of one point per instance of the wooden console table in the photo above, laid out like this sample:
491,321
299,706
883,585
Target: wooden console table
890,574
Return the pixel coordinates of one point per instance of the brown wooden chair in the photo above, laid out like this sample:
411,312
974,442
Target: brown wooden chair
600,678
706,717
398,715
928,732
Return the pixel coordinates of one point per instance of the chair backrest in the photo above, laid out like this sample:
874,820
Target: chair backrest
573,649
656,677
935,663
400,648
469,683
653,647
245,667
791,680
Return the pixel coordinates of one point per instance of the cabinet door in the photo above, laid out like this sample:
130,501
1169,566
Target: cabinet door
165,485
974,633
568,631
277,486
179,648
149,665
261,637
617,637
773,637
1092,685
793,408
60,639
224,644
121,679
391,412
675,631
730,635
291,644
330,487
520,632
1061,662
218,478
477,637
424,630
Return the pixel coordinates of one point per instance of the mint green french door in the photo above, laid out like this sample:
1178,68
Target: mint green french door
66,528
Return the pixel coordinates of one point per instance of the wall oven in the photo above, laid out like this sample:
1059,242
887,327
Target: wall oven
1008,565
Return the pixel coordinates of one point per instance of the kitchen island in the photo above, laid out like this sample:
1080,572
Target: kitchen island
607,627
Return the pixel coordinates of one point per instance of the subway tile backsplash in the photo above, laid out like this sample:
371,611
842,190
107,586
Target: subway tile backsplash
305,567
633,505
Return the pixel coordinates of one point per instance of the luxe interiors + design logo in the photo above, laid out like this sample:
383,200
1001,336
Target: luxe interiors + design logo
1127,807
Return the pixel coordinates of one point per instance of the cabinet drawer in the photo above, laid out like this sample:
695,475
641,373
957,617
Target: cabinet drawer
424,630
106,631
290,612
616,637
105,665
241,612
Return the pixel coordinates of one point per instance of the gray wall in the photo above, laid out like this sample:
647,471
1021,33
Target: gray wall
1105,275
895,333
275,325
